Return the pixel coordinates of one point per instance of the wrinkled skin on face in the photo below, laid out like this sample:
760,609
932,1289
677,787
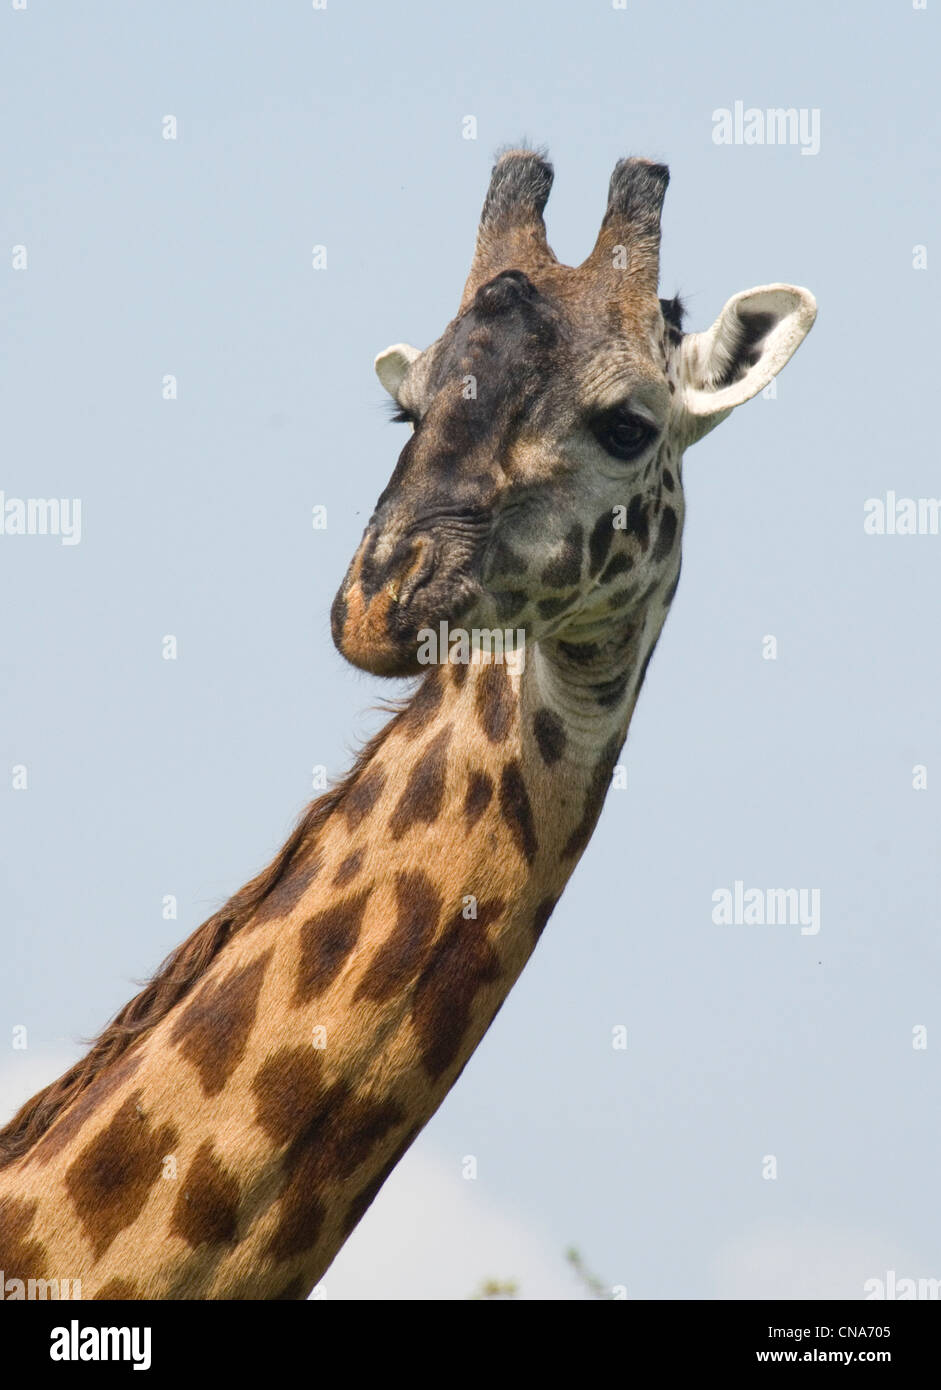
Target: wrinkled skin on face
541,487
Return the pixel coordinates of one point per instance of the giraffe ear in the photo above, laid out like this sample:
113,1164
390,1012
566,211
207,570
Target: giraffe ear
751,340
392,365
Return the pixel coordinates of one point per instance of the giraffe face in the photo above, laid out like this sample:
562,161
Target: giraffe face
540,489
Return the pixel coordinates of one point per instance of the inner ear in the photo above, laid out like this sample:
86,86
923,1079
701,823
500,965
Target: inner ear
751,340
739,344
392,365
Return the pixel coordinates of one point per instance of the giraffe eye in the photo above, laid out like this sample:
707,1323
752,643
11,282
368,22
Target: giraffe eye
622,432
404,417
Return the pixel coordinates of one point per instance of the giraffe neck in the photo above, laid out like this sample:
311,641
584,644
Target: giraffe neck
234,1147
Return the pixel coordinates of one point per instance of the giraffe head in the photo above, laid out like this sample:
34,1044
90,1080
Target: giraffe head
541,487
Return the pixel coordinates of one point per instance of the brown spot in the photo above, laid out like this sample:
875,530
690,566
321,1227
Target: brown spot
213,1030
666,535
611,692
580,652
622,598
459,670
287,892
599,542
479,794
349,868
508,603
286,1089
567,569
398,958
495,703
326,941
644,665
297,1288
423,705
365,1198
342,1134
367,1195
618,564
542,914
517,810
550,735
300,1221
117,1290
362,796
20,1257
552,607
461,963
207,1207
90,1100
335,1136
594,798
424,792
111,1178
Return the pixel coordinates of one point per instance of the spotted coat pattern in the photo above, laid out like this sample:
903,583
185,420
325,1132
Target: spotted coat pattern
227,1132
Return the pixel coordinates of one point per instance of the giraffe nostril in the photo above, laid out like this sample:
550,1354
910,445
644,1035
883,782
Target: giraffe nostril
416,572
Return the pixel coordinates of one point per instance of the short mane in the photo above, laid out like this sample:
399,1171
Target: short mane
674,312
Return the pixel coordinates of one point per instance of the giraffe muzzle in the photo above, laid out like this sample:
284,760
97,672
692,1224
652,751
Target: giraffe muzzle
380,610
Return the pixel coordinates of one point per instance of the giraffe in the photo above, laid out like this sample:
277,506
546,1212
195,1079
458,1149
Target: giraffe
227,1131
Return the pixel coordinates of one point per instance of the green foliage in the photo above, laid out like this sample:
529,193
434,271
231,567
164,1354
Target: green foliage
497,1288
590,1281
509,1288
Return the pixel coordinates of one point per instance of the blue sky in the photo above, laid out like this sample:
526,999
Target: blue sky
344,128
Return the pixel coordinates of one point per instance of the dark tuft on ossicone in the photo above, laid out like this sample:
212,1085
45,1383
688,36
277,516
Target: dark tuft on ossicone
520,183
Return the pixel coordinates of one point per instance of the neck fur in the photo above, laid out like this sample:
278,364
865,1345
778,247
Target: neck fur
228,1146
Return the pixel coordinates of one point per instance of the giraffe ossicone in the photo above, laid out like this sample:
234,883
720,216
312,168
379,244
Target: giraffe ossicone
228,1130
